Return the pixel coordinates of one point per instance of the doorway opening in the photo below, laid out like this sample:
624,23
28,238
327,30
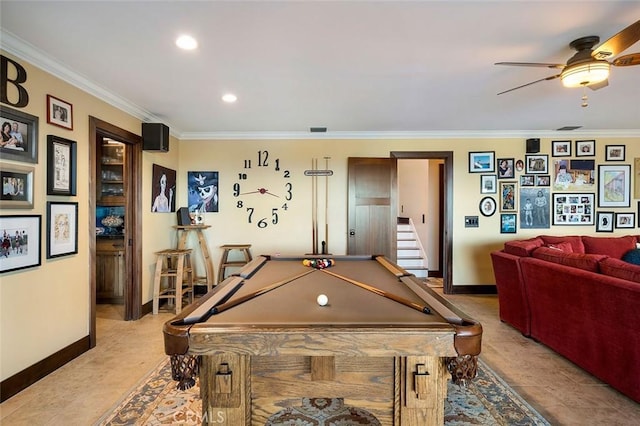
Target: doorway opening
115,160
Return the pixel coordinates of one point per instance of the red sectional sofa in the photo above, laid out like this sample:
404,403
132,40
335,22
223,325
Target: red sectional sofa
577,296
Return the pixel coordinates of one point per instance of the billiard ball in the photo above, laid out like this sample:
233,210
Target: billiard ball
322,300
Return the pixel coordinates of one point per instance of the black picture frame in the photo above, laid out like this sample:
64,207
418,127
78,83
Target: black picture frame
27,126
62,229
574,208
586,148
506,168
488,184
26,253
59,112
17,186
614,152
508,223
61,166
561,148
604,221
614,185
625,220
488,206
536,164
482,162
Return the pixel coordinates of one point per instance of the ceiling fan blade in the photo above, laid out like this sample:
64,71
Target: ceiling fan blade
530,64
596,86
619,42
627,60
553,77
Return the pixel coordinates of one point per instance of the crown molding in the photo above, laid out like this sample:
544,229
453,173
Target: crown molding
24,50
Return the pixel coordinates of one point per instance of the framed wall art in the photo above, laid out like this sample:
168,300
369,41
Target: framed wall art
163,192
17,186
482,162
585,148
505,168
561,148
62,229
487,206
536,164
20,242
625,220
543,180
61,166
508,223
614,185
534,208
527,180
614,152
508,196
488,184
604,221
202,191
59,112
19,136
573,209
574,175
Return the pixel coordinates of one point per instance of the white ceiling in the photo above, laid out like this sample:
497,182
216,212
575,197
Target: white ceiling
359,68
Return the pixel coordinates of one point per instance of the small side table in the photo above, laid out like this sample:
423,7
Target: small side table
183,234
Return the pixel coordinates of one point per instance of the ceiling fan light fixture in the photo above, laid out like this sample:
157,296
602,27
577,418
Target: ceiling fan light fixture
585,74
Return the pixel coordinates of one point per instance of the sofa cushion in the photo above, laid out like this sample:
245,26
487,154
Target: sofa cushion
574,240
620,269
588,262
632,256
522,247
611,246
565,247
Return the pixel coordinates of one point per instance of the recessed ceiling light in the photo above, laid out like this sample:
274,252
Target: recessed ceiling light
186,42
229,98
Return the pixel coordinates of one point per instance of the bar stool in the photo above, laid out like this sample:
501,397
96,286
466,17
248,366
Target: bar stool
174,265
226,263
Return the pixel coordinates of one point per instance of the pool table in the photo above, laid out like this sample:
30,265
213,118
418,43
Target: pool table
261,341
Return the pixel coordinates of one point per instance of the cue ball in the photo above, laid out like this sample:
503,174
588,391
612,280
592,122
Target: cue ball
322,300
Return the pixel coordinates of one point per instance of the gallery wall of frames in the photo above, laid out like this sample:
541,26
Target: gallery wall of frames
566,188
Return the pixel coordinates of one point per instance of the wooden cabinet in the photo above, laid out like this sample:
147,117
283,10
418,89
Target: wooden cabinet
110,270
111,174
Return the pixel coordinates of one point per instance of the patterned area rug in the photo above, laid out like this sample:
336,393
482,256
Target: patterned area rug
487,401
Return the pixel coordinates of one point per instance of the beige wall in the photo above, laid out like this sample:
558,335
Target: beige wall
45,309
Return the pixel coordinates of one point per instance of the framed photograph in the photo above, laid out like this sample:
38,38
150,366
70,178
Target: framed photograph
625,220
508,223
543,180
482,162
19,136
561,148
487,206
61,166
508,196
20,247
62,229
17,186
534,208
614,152
488,184
59,112
163,192
505,168
604,222
519,165
527,180
614,185
573,209
574,175
536,163
585,148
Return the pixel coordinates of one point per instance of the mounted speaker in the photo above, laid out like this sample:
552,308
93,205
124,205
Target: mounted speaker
533,146
155,137
183,216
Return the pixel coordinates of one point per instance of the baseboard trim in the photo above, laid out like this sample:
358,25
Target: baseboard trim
25,378
475,289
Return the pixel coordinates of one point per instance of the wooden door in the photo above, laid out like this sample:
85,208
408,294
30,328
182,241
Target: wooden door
372,208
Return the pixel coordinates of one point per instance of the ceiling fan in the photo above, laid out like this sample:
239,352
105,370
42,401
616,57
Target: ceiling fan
588,67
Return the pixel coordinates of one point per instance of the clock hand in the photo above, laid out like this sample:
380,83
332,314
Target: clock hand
261,191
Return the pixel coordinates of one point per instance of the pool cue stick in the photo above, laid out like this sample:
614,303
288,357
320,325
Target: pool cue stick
325,246
422,308
230,304
315,201
314,236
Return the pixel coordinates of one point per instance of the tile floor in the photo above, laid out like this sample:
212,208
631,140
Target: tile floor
80,392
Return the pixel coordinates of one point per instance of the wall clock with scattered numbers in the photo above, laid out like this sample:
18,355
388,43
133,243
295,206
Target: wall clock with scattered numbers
263,190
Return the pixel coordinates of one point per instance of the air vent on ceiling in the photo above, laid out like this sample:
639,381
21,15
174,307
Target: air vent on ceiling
318,129
566,128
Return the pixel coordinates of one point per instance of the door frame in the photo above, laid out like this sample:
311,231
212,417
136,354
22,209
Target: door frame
447,206
133,219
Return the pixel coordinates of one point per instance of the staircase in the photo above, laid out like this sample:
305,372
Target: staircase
410,253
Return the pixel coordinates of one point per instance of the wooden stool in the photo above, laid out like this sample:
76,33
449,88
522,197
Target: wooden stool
172,264
226,263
